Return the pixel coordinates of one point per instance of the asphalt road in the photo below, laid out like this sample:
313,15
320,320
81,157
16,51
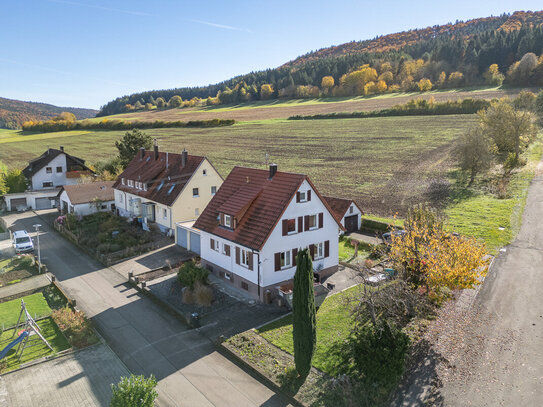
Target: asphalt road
505,359
188,369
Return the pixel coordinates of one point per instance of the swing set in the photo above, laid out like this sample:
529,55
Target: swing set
29,336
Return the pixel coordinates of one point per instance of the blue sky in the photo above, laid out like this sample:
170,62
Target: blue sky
86,52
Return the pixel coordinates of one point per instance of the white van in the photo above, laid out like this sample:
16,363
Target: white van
22,242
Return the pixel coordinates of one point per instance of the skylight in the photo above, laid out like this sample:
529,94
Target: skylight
171,189
160,186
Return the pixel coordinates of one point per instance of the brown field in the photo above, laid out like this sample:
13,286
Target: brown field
282,109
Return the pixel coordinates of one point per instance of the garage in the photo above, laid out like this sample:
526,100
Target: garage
188,237
182,237
15,203
194,242
351,223
43,203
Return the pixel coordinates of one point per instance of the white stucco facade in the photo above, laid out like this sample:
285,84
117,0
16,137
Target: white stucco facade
83,209
351,211
44,199
52,175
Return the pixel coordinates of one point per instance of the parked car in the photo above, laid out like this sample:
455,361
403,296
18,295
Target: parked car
387,237
22,242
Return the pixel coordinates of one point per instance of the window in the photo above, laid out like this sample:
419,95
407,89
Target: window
145,186
245,257
48,170
285,259
319,250
103,206
245,286
122,181
195,192
130,183
59,169
228,221
291,226
213,190
121,198
312,219
351,209
226,249
47,184
171,189
196,212
214,245
165,213
303,197
204,172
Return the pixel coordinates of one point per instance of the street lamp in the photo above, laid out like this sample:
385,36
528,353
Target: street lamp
37,226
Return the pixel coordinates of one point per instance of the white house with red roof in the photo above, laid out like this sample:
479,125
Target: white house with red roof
253,227
348,211
164,188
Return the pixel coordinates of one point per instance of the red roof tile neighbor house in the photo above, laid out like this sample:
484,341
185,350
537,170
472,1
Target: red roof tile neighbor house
346,211
163,175
339,205
85,193
255,201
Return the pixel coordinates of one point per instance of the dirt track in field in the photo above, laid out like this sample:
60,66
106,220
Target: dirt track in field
244,113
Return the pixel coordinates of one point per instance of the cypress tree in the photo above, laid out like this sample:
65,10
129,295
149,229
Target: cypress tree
304,322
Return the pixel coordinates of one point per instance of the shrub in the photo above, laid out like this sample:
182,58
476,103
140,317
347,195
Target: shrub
75,327
189,273
203,294
187,296
134,391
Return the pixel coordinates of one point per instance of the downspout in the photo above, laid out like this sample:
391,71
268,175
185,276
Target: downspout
258,272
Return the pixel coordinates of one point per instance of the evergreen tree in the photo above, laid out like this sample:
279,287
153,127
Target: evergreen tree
304,322
130,144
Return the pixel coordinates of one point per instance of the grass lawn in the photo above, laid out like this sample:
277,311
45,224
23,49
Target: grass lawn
50,332
334,324
346,249
16,268
36,304
482,214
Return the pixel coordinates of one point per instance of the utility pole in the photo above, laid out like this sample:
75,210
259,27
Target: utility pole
37,227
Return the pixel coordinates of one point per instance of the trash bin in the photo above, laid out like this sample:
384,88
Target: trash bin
267,297
195,320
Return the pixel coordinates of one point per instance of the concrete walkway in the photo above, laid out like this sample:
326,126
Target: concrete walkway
79,379
29,284
188,369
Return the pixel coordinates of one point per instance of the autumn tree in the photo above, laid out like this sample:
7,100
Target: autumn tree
138,105
493,76
429,256
520,72
327,83
456,79
130,144
525,100
304,323
175,101
65,116
441,80
425,85
539,107
354,82
510,129
381,86
475,152
160,102
266,91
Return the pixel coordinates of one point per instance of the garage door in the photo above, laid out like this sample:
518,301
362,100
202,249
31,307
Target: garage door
351,223
43,203
182,237
17,203
195,242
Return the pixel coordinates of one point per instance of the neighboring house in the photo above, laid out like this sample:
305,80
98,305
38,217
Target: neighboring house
347,211
45,176
165,188
251,231
85,199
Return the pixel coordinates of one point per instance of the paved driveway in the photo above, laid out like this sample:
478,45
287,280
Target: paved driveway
189,370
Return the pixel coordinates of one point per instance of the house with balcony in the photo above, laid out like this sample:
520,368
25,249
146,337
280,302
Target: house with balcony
162,188
45,176
253,228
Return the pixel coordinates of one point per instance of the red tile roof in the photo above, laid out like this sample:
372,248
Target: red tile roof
339,206
258,201
85,193
163,184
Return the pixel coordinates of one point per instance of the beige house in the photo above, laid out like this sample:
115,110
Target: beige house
164,188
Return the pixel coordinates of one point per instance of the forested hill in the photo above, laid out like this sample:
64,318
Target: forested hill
482,51
13,113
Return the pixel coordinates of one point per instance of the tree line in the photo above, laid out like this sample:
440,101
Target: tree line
482,55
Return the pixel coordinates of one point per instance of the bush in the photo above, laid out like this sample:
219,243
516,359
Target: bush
75,327
203,294
189,274
187,296
134,391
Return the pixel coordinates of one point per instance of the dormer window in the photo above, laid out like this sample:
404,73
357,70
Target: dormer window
204,172
122,181
228,221
145,186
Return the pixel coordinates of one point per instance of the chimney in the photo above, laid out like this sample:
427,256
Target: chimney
184,157
156,150
167,160
62,148
142,153
273,170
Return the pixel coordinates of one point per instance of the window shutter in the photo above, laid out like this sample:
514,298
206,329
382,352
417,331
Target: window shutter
227,249
306,222
277,261
298,197
250,265
285,227
294,254
300,224
221,217
327,248
212,244
312,251
237,255
321,220
309,195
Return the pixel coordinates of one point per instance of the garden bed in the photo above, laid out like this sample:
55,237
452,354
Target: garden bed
16,269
